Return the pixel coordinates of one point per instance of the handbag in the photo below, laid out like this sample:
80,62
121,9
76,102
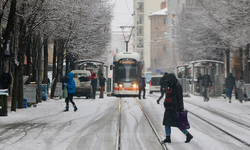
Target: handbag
65,92
182,120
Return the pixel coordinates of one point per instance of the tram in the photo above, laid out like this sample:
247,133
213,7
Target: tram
127,67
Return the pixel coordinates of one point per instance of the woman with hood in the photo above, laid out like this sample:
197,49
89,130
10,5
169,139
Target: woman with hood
173,103
71,88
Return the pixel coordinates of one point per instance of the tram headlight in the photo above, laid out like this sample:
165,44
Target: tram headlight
120,85
134,85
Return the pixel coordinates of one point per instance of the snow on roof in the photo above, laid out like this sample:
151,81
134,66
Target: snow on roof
161,12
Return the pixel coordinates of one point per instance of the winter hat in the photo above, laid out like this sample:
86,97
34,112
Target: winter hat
93,74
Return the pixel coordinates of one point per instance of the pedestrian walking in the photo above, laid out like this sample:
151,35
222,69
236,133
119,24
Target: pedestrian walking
206,83
163,87
71,88
240,84
48,84
230,84
235,89
142,84
173,103
93,79
102,84
6,79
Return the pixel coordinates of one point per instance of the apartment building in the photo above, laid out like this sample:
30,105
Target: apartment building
142,32
158,49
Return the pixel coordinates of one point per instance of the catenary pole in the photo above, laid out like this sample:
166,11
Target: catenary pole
127,41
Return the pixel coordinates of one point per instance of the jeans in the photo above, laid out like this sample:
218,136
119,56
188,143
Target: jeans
229,93
168,130
94,91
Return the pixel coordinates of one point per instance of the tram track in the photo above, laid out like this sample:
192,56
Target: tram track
118,142
219,114
219,128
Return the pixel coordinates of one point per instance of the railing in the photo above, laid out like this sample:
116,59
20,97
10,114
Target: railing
139,46
140,10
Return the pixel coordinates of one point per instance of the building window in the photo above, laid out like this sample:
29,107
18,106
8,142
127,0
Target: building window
164,21
152,63
164,48
155,63
140,20
165,34
155,22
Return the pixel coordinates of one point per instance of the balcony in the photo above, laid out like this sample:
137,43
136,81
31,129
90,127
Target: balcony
140,46
140,10
140,23
139,34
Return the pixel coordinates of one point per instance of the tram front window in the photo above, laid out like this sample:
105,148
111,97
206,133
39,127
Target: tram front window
126,73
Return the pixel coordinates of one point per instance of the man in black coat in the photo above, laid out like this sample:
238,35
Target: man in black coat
230,85
6,79
163,87
173,103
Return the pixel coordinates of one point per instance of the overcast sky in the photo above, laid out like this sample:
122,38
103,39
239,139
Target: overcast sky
122,12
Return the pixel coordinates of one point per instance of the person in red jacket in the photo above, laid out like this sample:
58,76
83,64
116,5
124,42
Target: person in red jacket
93,79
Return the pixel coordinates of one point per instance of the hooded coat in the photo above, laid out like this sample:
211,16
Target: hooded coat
162,82
170,118
71,83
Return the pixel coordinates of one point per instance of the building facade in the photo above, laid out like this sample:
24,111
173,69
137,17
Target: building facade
142,32
158,49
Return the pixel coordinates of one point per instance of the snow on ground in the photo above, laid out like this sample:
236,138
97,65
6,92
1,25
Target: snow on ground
48,127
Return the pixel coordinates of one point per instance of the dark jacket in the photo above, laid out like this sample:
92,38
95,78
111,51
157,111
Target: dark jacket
206,81
94,81
141,82
230,81
102,81
170,118
71,87
6,80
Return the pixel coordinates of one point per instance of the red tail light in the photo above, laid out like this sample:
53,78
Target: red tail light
149,82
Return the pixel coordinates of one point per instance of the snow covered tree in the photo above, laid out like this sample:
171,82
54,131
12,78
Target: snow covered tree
210,29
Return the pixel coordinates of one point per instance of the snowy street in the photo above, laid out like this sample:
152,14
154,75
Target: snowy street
94,125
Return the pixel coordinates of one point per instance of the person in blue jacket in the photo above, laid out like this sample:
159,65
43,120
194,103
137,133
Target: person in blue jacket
71,88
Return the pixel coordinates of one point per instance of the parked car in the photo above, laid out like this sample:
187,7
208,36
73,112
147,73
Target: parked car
154,84
83,85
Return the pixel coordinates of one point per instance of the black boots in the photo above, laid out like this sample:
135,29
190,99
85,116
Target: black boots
167,140
189,137
75,108
66,108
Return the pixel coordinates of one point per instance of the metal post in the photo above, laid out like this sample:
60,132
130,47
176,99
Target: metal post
122,27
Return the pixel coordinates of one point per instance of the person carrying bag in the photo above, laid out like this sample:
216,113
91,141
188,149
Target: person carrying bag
174,106
65,92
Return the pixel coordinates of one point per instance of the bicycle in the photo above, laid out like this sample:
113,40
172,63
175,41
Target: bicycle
205,95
